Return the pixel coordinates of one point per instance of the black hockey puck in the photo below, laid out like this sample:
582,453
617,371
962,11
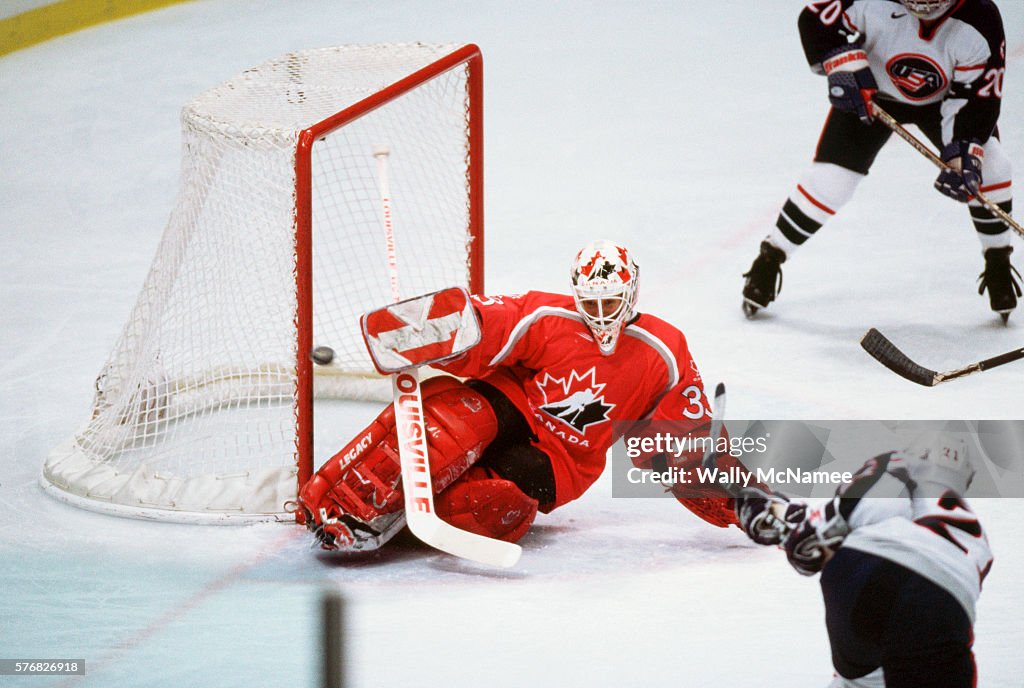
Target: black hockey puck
322,355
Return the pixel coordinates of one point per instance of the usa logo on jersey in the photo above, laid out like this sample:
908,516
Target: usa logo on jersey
916,76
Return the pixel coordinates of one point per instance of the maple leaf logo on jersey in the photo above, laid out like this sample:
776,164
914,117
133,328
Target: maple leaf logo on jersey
576,401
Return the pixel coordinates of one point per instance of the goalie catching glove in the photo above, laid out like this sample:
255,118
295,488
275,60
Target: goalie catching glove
709,500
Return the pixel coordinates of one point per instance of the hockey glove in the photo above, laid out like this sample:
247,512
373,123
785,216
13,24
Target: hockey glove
813,541
962,179
767,518
851,85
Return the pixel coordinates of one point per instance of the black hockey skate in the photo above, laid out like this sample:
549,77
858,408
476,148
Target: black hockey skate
999,278
764,279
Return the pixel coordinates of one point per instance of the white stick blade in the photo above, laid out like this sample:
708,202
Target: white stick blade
461,543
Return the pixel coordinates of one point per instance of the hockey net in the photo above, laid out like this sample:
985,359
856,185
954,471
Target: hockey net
204,410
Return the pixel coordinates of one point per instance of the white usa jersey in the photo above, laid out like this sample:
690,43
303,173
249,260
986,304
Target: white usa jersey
938,537
958,60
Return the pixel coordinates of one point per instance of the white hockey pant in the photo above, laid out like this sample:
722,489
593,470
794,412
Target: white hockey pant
824,188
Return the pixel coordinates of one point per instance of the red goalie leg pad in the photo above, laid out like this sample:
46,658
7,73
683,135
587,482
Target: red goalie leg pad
339,487
364,478
487,505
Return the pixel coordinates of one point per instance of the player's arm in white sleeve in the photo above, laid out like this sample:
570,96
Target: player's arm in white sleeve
812,542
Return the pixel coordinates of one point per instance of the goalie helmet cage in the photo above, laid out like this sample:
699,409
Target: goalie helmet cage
204,410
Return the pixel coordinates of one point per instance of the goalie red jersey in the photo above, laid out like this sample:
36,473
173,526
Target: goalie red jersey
571,394
550,382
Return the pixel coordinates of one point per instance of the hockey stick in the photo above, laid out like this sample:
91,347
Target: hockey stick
778,505
709,460
717,418
413,457
918,145
886,353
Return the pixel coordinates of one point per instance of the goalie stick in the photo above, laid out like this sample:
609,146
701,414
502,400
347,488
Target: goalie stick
710,459
887,353
708,462
413,457
898,129
717,418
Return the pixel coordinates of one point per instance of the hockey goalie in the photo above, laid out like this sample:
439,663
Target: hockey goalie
526,417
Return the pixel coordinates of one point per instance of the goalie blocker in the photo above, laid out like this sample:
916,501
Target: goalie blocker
420,331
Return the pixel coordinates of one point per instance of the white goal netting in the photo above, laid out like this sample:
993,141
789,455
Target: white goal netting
197,408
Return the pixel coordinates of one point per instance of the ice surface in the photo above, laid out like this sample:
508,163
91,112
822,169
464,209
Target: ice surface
676,128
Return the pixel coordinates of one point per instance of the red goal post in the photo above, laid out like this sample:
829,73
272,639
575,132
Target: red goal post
468,55
204,411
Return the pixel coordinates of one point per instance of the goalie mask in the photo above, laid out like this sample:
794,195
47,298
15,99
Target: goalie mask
928,9
937,462
604,287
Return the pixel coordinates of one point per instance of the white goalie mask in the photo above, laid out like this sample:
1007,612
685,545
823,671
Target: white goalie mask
604,287
939,461
928,9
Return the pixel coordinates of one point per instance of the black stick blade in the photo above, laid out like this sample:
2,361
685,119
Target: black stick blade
886,353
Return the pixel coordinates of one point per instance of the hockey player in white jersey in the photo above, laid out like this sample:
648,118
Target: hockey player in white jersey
937,64
902,559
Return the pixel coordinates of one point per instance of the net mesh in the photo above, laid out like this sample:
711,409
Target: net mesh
195,410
